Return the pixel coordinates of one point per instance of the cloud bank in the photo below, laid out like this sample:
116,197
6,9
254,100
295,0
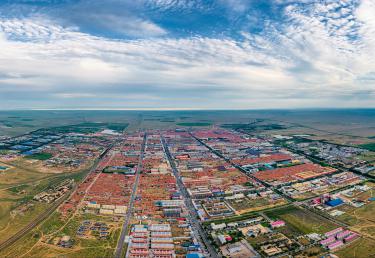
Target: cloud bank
282,54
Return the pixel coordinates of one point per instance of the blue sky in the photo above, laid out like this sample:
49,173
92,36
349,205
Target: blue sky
186,54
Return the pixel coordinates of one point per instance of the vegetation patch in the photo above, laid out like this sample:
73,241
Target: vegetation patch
167,120
40,156
194,124
117,127
368,146
360,249
302,221
254,126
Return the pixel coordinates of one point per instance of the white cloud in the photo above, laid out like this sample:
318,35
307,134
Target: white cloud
318,58
128,25
75,95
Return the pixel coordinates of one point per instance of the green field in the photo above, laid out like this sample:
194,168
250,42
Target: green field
243,216
55,226
40,156
247,205
17,200
299,220
10,225
16,175
360,219
368,146
362,248
194,124
254,126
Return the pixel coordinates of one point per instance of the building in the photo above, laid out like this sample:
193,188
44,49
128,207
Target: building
172,212
218,226
335,245
335,202
221,239
333,232
277,224
239,249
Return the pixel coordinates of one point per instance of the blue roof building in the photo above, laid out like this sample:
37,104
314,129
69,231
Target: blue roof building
194,255
335,202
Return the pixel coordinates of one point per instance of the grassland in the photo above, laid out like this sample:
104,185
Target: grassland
243,216
12,224
368,146
14,123
361,219
16,175
299,220
17,209
192,124
368,156
40,156
39,242
337,125
362,248
248,205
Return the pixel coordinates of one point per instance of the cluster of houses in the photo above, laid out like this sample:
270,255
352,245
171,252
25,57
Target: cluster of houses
337,238
89,228
349,196
55,192
57,150
153,240
105,209
333,154
320,185
272,241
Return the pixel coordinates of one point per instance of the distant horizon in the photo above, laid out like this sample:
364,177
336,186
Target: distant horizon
191,109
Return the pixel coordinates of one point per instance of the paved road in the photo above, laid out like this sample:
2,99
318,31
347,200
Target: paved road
128,215
339,168
265,184
301,205
199,232
229,161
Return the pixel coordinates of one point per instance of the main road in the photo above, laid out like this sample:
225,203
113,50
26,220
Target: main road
290,199
128,215
265,184
199,232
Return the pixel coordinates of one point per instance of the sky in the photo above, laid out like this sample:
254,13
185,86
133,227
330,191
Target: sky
187,54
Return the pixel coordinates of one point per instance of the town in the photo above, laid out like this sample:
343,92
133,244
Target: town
188,192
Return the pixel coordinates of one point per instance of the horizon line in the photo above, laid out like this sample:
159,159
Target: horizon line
182,109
